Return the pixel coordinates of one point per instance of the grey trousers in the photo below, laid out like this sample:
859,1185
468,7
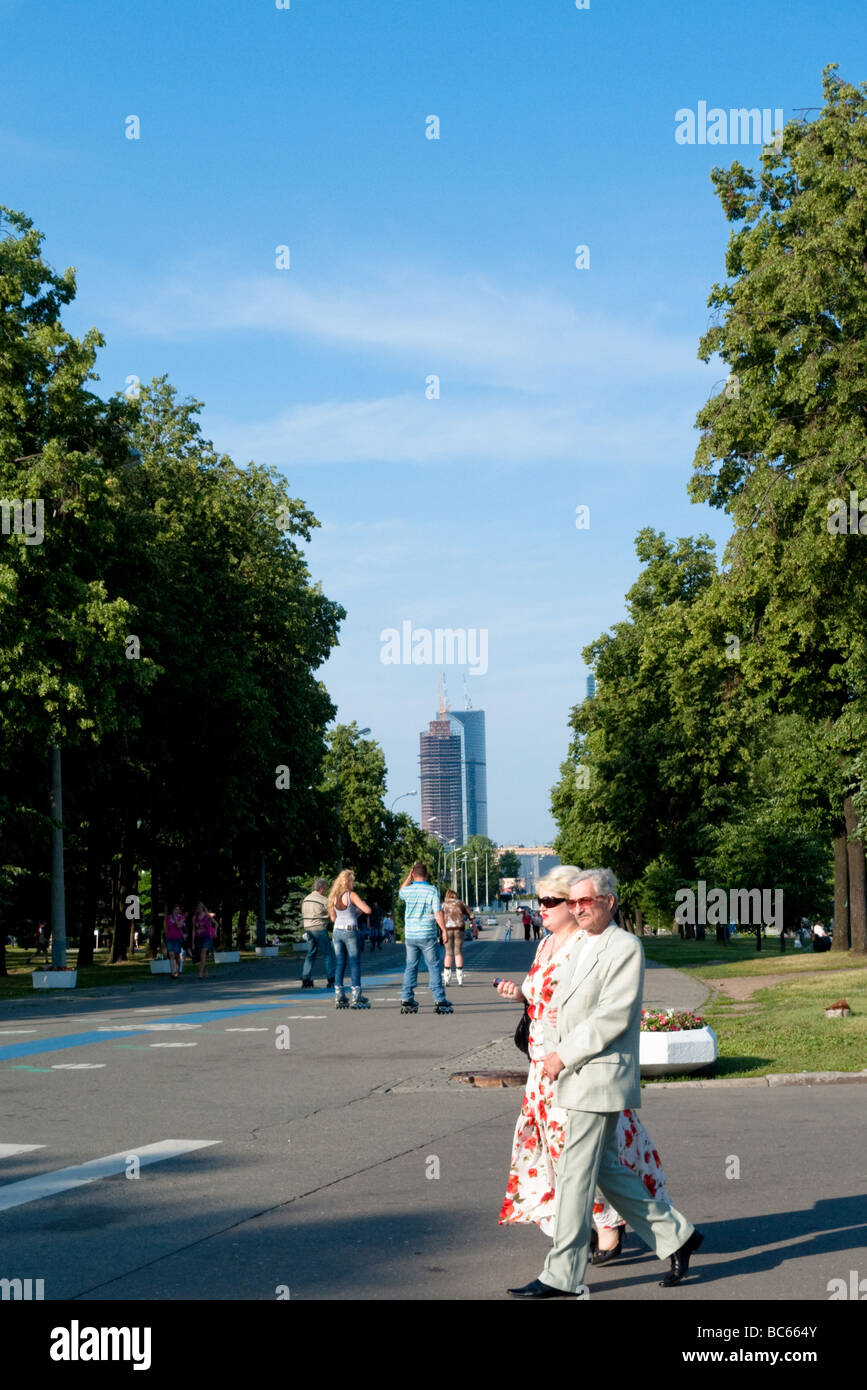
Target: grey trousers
590,1160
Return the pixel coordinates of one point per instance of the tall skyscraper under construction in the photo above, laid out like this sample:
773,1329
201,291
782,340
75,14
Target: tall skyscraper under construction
454,796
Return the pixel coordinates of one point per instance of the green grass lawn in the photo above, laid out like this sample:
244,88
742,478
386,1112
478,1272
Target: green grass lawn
787,1030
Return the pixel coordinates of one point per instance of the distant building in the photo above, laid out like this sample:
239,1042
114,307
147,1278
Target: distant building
442,804
591,686
469,724
535,860
454,777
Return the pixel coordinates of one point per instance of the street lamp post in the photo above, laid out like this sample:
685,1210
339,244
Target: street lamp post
476,862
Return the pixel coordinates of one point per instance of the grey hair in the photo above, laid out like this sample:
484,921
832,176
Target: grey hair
320,885
604,882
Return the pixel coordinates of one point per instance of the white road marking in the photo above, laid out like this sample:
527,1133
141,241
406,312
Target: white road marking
295,1018
8,1150
16,1194
247,1030
7,1032
144,1027
173,1044
77,1066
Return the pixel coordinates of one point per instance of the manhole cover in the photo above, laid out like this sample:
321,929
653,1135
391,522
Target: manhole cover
490,1079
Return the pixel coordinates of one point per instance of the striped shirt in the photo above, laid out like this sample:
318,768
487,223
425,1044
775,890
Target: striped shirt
421,901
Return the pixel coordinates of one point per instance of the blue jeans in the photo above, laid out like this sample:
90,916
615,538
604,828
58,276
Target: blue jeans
318,943
346,944
428,949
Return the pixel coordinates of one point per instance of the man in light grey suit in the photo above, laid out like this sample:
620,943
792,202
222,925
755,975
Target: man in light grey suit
592,1055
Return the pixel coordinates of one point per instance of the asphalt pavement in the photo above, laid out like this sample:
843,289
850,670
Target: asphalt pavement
239,1138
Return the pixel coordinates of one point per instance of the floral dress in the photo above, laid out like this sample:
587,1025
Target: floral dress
541,1128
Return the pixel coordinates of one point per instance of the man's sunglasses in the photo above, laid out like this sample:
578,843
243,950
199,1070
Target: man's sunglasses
573,902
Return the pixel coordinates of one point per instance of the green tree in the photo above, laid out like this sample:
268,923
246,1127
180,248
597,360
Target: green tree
784,444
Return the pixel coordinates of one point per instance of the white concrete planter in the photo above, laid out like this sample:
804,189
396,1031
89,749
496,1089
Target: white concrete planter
267,950
161,967
55,979
671,1054
227,957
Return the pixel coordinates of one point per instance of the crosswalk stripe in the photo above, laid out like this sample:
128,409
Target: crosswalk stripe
76,1066
17,1194
8,1150
173,1044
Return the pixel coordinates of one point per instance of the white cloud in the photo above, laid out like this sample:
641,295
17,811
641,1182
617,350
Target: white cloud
411,429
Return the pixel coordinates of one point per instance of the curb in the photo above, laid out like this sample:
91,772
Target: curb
780,1078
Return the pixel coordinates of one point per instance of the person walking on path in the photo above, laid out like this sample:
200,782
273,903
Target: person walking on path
316,919
423,923
531,1191
591,1047
388,929
455,912
204,932
174,929
527,920
344,905
376,929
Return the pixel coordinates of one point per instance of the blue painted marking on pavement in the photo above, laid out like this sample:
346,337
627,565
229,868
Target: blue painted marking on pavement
31,1049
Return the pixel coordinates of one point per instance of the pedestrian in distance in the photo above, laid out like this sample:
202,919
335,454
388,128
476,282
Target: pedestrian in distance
388,929
376,929
174,925
527,920
455,912
344,905
423,925
42,935
204,932
591,1054
316,920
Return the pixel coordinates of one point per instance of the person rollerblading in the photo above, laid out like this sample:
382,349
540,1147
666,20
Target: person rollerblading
423,923
443,1007
408,1006
344,905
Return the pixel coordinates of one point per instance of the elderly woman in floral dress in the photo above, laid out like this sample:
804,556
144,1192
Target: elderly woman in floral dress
541,1127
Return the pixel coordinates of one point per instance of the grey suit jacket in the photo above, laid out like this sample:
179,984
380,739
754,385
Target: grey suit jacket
598,1030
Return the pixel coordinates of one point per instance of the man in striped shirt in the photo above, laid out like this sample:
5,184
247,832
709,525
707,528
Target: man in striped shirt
423,923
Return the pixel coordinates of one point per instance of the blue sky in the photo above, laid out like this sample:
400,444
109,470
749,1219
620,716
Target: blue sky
409,257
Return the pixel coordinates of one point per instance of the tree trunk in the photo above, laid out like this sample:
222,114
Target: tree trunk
759,937
639,922
857,885
841,889
58,894
227,912
156,908
125,886
89,906
242,929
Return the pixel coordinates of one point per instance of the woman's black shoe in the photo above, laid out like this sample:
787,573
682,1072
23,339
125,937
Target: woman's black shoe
680,1261
601,1257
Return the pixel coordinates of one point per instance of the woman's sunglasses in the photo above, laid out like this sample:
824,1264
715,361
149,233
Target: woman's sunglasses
552,902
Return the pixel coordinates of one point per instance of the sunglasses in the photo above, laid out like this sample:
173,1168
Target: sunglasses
552,902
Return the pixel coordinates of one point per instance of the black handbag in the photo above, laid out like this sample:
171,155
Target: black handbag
522,1032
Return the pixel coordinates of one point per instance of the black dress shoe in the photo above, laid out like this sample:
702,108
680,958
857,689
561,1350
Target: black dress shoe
536,1289
601,1257
680,1261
